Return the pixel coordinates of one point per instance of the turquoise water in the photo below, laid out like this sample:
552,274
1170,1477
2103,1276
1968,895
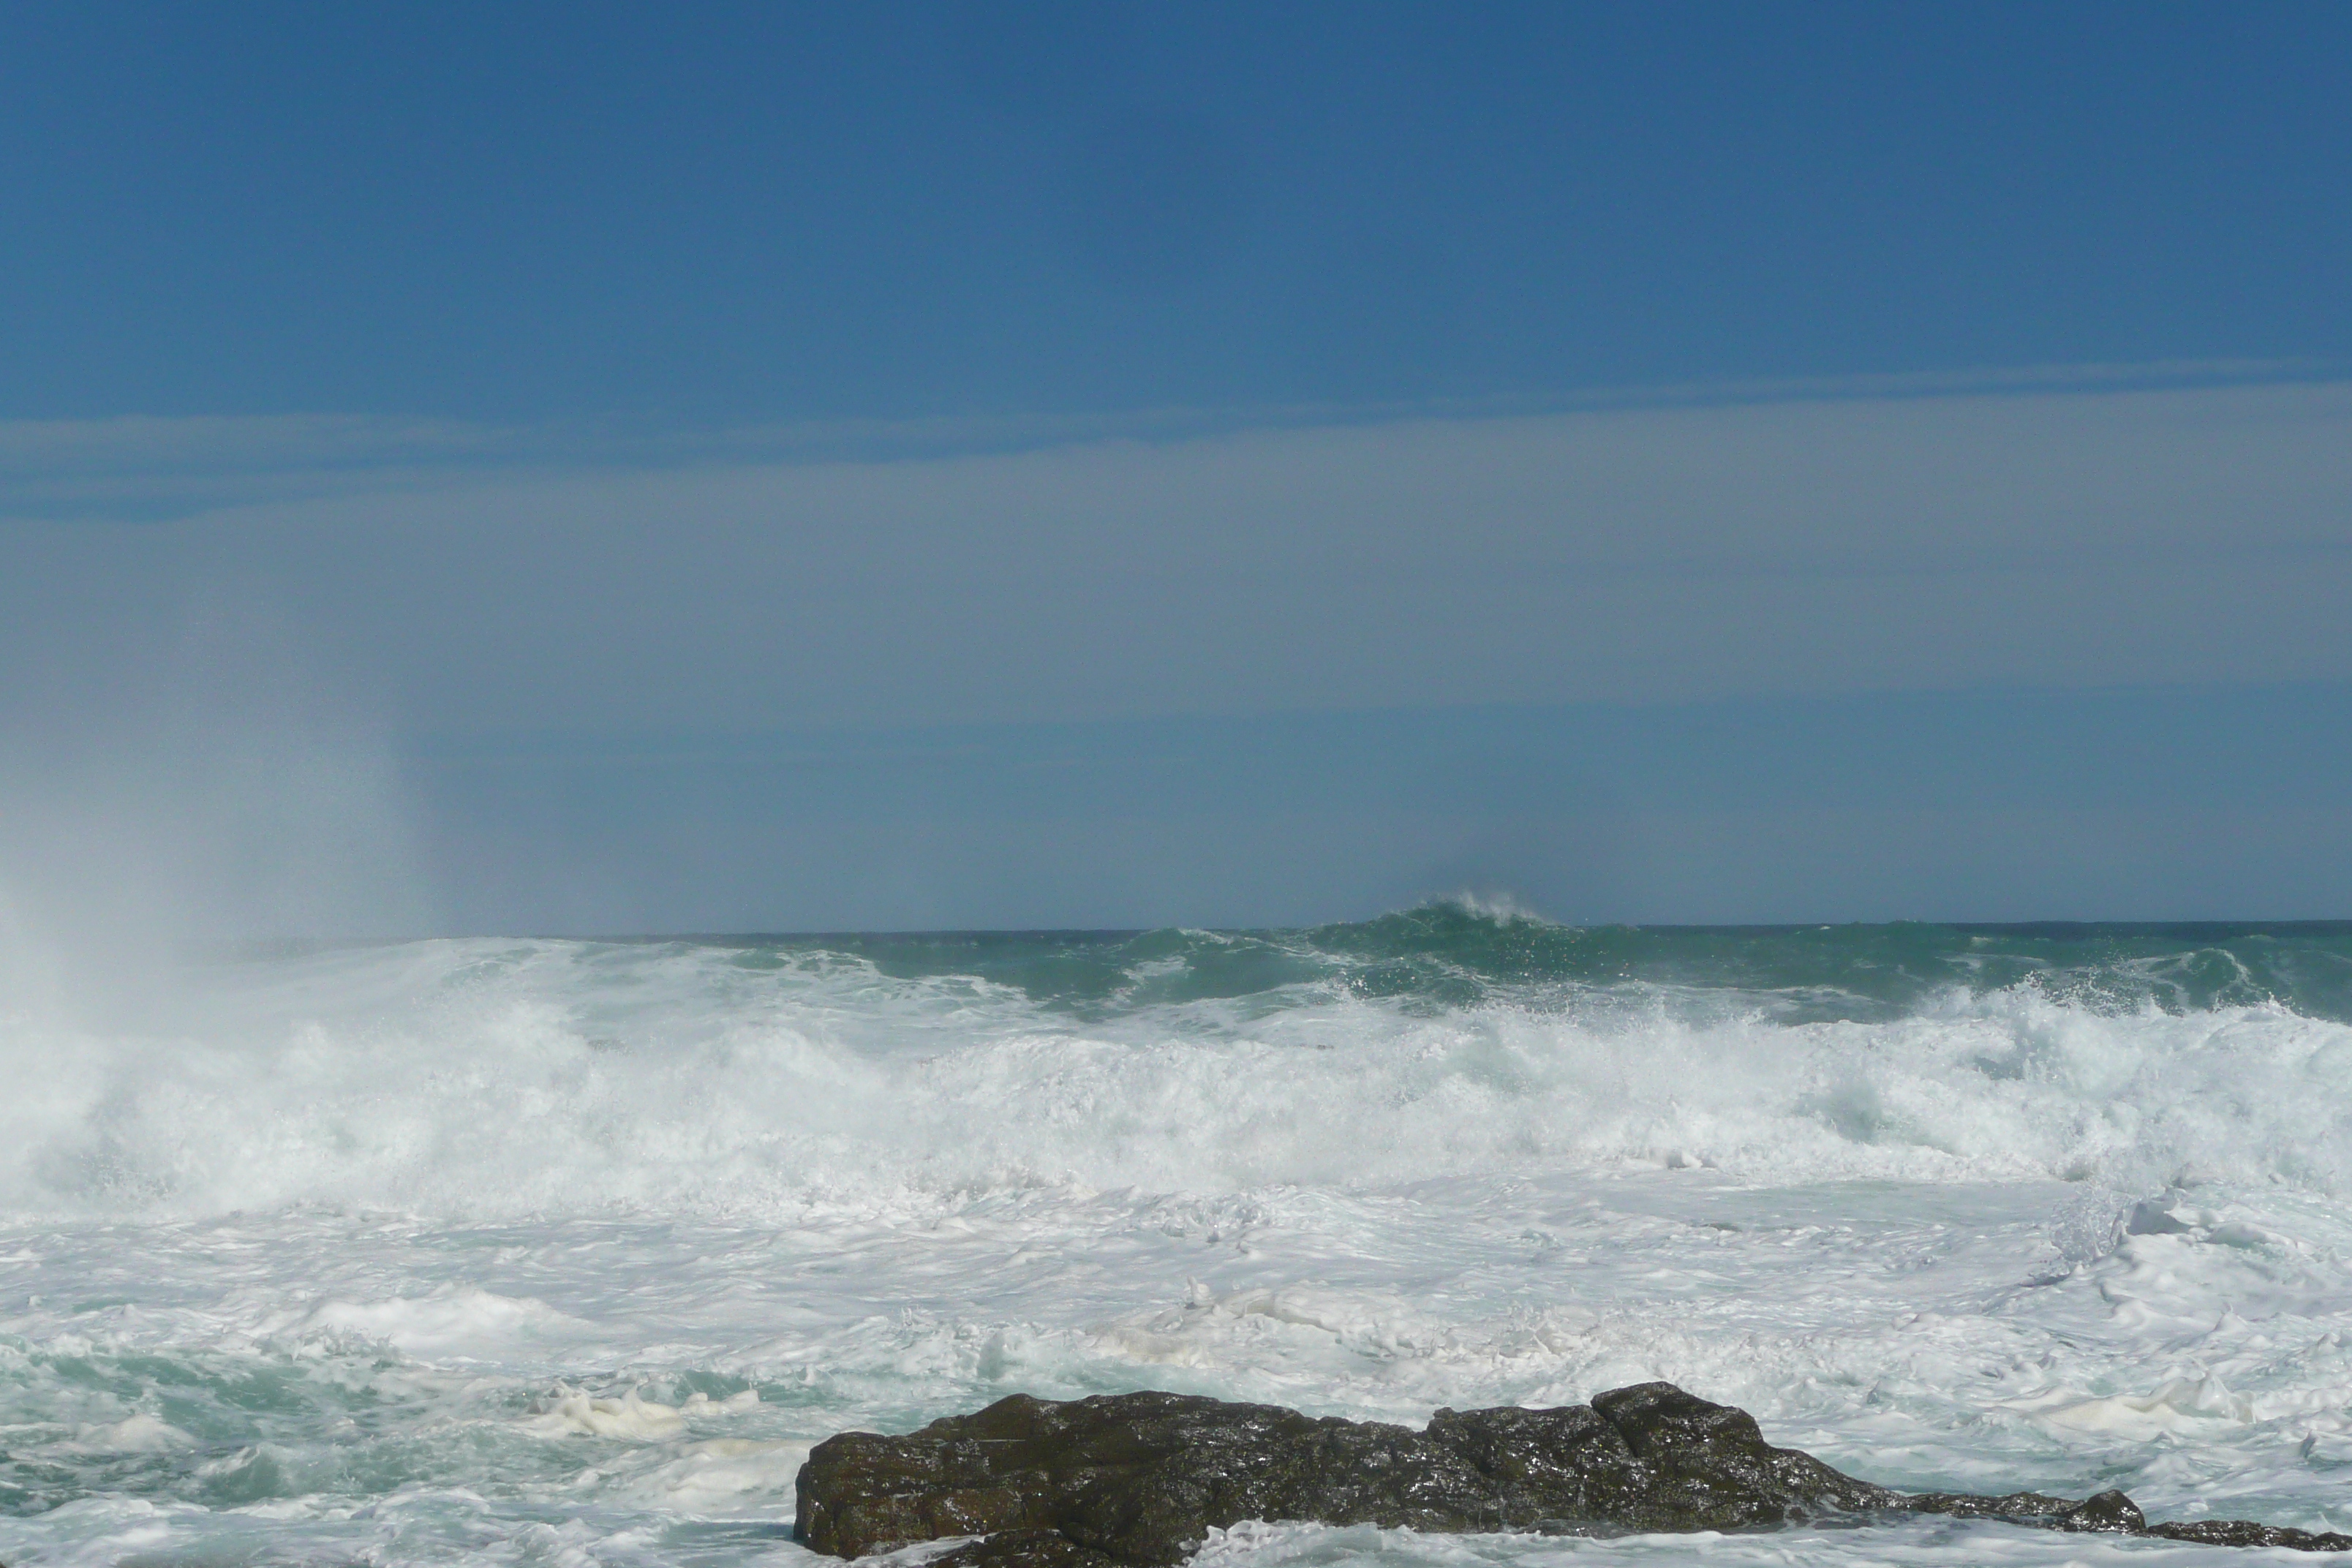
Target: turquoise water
1452,955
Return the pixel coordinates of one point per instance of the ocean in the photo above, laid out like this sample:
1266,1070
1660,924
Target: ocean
566,1252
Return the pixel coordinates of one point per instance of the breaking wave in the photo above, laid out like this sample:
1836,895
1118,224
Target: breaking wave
765,1078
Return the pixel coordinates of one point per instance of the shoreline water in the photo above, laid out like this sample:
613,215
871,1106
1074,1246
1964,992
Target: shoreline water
532,1250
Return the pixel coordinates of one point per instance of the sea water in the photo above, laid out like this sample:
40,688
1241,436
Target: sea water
567,1252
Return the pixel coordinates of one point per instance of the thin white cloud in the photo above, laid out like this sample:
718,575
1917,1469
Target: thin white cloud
2188,533
204,711
137,467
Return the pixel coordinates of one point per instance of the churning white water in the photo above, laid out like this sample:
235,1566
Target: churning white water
563,1252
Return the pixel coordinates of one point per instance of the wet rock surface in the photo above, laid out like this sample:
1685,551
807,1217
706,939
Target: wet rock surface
1136,1480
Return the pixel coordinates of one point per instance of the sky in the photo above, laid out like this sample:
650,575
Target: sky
610,469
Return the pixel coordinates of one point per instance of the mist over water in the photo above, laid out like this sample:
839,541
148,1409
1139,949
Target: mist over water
536,1250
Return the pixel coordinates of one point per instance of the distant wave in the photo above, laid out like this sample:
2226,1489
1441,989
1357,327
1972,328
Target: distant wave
1460,952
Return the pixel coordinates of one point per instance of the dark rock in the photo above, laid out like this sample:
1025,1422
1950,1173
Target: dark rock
1138,1477
2108,1510
1137,1480
1022,1548
2246,1532
2021,1507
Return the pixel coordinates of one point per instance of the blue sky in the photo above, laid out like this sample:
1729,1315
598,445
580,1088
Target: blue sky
599,468
729,213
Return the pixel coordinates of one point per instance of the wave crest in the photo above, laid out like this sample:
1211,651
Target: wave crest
485,1078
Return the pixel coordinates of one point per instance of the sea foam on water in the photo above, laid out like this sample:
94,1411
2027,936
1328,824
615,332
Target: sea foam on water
529,1249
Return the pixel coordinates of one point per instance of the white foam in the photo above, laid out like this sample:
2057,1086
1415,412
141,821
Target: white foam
569,1413
2179,1405
140,1434
726,1476
456,1320
478,1079
1209,1327
544,1251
